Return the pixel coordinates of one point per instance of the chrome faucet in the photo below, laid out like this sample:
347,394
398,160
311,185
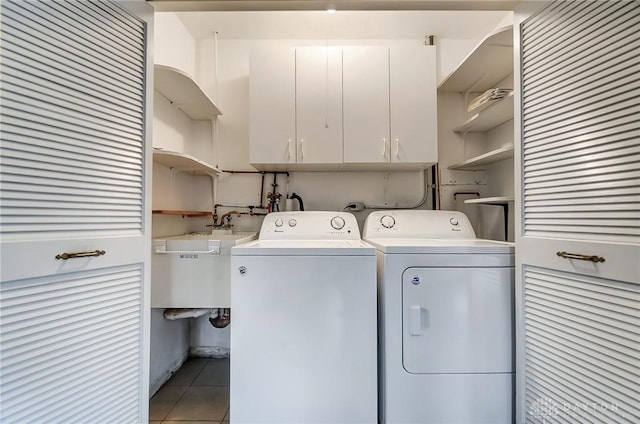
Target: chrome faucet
227,216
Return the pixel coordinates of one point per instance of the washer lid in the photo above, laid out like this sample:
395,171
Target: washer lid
434,246
304,248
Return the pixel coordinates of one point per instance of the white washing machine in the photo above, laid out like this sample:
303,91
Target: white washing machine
446,319
304,326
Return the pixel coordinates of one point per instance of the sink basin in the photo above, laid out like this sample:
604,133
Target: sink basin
223,232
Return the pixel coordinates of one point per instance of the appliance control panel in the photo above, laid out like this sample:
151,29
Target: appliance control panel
418,224
310,225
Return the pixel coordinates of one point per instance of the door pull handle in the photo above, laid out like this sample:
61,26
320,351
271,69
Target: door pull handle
592,258
64,256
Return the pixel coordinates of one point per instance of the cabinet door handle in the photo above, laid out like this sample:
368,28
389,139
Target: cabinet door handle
384,147
64,256
289,151
397,147
592,258
301,149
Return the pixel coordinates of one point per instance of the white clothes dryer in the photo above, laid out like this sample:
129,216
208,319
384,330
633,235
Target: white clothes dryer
304,323
446,319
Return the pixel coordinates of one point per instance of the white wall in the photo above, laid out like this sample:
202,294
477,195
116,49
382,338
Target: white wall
169,348
174,45
207,340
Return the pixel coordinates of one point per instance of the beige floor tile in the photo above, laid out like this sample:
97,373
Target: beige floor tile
164,400
187,372
201,403
215,373
155,422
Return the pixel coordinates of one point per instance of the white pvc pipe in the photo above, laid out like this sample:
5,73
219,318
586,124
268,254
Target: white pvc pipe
173,314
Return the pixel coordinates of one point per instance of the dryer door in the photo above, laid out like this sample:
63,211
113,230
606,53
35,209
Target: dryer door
457,320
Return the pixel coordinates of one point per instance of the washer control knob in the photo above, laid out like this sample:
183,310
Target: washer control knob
337,222
387,221
292,222
453,221
279,222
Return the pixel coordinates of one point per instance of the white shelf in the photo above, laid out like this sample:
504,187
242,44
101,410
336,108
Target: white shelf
184,93
498,112
479,163
489,63
184,162
502,200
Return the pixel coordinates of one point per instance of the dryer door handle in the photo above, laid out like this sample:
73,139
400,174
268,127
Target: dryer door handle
415,320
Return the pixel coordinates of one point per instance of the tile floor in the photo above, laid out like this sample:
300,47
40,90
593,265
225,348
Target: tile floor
197,393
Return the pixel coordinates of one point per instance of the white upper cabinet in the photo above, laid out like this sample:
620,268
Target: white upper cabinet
318,104
355,107
272,110
413,107
296,106
390,113
366,104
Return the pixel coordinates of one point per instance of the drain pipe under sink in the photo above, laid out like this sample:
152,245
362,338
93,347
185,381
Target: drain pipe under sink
221,318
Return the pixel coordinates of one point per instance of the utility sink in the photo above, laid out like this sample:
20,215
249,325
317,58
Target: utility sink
193,270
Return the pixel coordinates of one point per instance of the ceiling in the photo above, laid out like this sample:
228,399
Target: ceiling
344,25
282,5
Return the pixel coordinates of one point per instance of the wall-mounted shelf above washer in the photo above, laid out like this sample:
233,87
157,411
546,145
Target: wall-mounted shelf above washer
494,114
184,93
184,162
479,163
489,63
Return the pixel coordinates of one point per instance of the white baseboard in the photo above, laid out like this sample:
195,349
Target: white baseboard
210,352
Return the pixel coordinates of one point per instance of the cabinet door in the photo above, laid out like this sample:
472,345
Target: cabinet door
319,104
413,108
272,105
366,104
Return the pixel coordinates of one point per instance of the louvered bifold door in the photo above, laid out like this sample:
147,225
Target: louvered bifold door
579,234
73,189
581,116
71,121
